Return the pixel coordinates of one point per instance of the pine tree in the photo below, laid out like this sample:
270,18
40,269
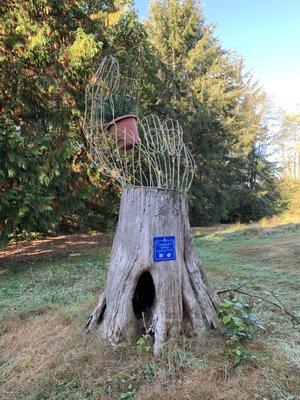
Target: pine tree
221,109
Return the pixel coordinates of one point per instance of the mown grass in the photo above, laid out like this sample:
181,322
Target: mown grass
45,354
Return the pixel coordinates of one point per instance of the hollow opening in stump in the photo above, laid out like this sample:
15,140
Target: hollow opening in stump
144,295
101,315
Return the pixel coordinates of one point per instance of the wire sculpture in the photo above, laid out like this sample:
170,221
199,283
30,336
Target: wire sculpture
154,155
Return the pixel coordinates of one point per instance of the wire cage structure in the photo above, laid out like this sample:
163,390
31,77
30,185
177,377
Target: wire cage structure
150,154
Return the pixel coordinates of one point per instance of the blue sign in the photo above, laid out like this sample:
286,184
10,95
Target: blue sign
164,248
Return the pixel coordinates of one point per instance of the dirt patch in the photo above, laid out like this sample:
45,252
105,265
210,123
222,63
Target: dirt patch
51,248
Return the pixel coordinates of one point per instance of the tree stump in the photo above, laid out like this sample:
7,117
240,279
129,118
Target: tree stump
168,296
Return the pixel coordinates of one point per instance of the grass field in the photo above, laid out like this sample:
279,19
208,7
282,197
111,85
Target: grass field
45,354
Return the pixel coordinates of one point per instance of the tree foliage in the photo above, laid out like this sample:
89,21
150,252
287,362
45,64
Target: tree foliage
48,51
222,110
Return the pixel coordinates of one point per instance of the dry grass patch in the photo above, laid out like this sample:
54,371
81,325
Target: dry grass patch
50,358
32,349
219,379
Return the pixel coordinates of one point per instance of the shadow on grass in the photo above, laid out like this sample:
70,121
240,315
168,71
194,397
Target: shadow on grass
52,248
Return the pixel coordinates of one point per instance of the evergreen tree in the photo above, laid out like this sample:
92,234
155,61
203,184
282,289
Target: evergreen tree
221,110
48,52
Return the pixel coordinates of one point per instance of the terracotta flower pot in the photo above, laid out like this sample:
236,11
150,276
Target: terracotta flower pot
125,129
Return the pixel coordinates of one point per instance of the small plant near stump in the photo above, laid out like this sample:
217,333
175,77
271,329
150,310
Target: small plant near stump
238,324
144,344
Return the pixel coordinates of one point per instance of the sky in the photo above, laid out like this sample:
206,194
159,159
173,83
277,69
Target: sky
266,33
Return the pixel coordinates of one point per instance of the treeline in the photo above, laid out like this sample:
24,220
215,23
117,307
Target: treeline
48,52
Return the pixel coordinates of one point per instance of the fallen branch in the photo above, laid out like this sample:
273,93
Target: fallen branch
281,306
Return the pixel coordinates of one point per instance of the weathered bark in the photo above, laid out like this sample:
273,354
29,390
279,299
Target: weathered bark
170,295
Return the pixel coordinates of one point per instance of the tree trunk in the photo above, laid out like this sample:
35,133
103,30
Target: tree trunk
167,296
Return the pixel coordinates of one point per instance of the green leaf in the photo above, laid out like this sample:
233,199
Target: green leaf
23,211
45,208
51,88
226,304
11,172
226,319
12,157
21,163
238,322
238,352
44,179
